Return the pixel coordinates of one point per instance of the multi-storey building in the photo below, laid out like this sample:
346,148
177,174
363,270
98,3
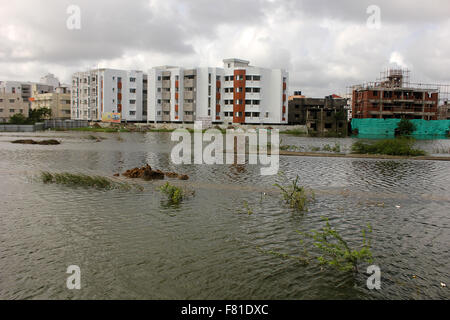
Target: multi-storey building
238,93
320,115
393,97
105,91
184,95
57,101
14,98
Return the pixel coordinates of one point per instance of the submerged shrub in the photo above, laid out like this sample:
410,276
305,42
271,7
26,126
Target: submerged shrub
394,147
336,252
174,194
297,197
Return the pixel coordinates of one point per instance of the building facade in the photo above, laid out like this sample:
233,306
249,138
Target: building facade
14,99
57,101
108,91
321,115
236,94
393,97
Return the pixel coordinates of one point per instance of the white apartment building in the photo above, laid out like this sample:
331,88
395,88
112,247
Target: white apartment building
101,91
238,93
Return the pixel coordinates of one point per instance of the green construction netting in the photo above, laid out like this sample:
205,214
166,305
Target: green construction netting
387,127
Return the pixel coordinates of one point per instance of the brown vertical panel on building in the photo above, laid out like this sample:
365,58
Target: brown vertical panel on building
239,96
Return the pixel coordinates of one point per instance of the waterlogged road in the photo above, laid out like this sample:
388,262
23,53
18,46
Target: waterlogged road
134,245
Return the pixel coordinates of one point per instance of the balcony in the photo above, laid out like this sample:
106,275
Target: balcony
166,106
189,95
166,95
189,83
188,106
166,84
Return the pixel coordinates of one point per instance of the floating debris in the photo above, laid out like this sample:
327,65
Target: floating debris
147,173
398,207
443,285
42,143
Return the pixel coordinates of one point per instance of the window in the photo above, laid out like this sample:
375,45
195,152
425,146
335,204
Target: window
256,102
132,90
11,110
256,78
132,79
248,102
159,78
209,78
11,100
1,110
132,101
248,114
328,125
267,114
159,89
248,78
132,113
256,90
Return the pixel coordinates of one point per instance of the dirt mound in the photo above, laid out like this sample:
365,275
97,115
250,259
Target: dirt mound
147,173
43,143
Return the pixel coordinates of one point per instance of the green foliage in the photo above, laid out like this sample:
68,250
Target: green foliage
336,148
405,127
247,208
297,197
38,115
336,252
294,132
19,119
174,194
82,180
394,147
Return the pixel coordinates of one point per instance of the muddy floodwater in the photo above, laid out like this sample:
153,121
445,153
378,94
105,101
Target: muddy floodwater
135,245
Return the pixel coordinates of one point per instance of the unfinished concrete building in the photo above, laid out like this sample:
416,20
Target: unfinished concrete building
321,115
394,97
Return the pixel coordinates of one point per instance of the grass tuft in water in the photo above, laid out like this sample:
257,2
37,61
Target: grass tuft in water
82,180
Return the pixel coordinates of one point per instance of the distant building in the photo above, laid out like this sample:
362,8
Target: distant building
444,111
108,91
11,104
57,101
394,97
237,94
321,115
14,99
50,80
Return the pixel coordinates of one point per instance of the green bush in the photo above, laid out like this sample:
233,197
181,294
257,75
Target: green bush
394,147
405,128
19,119
297,197
174,194
336,252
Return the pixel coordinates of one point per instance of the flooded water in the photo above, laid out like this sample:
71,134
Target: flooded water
134,245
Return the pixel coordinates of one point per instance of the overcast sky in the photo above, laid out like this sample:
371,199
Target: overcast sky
325,45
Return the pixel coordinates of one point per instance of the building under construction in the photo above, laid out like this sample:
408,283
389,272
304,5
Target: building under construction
394,97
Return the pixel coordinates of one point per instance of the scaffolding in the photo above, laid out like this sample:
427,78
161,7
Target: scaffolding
400,78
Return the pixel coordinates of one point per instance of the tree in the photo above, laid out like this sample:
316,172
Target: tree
38,115
18,119
405,128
